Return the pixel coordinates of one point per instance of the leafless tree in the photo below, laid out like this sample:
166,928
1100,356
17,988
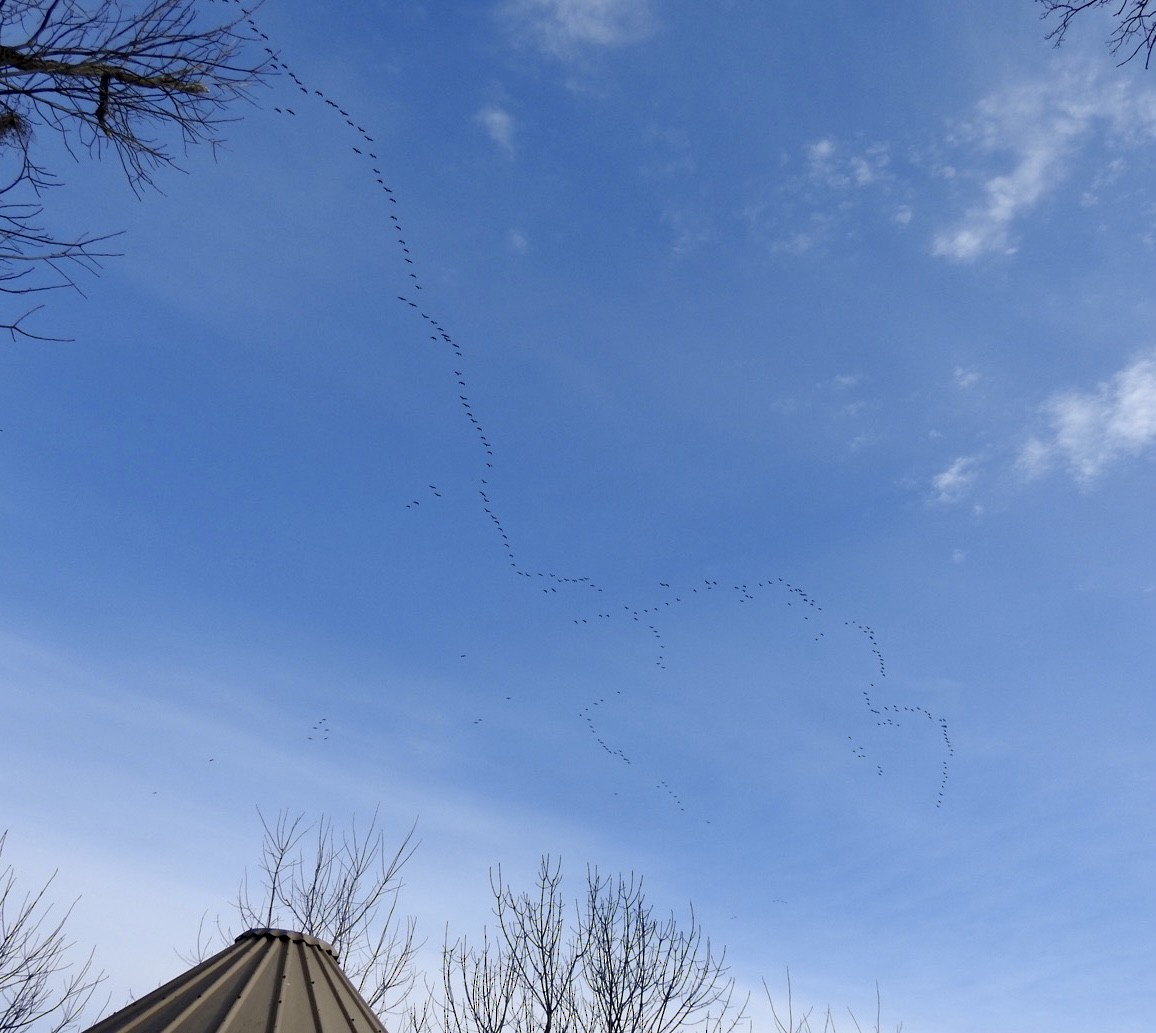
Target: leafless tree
789,1024
105,76
614,967
342,889
1133,30
522,981
646,974
40,987
483,992
544,963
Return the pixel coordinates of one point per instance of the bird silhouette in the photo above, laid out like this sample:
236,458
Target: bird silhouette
643,613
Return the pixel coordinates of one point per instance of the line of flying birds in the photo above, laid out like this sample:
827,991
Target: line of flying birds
887,715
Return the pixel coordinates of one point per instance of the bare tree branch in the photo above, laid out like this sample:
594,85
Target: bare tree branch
788,1024
39,986
107,76
615,969
344,890
1134,31
649,975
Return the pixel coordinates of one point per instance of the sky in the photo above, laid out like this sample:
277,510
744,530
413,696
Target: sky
710,441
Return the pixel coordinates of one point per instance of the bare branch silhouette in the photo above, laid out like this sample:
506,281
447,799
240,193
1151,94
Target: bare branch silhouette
344,890
616,968
39,986
1133,32
105,76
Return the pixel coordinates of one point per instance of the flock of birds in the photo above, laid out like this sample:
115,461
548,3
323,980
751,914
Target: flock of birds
648,617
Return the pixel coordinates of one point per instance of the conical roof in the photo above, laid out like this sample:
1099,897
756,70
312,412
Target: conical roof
268,981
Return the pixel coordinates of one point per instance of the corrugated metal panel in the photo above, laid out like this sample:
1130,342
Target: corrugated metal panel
268,981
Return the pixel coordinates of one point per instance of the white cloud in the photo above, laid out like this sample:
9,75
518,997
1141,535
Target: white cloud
1105,178
955,482
828,166
964,378
560,27
844,381
827,196
864,171
819,155
690,230
518,241
802,241
1042,126
985,228
499,125
1088,431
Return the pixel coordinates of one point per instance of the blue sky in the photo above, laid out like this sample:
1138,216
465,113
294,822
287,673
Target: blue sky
819,340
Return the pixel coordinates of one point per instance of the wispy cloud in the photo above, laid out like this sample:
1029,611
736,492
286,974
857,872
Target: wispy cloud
1013,151
956,481
964,378
845,381
564,27
1088,431
833,166
690,229
800,242
499,126
835,180
1041,126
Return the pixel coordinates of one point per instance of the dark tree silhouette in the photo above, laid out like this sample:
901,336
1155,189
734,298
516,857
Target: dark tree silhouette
105,77
604,963
342,889
40,986
1133,30
615,966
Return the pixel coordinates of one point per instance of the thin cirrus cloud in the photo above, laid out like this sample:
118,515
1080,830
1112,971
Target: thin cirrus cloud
1043,126
829,165
563,27
819,203
964,378
952,484
499,125
1088,431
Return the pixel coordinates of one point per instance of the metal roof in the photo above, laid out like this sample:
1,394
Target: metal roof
268,981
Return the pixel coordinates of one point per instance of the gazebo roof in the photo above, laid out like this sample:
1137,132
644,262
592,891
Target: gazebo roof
268,981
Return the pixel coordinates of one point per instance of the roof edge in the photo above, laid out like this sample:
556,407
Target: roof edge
286,934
